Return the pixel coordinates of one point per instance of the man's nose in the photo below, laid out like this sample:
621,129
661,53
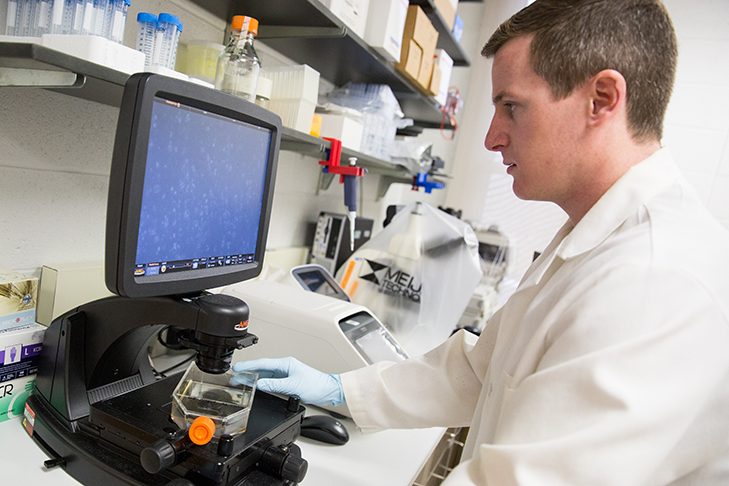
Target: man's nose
496,139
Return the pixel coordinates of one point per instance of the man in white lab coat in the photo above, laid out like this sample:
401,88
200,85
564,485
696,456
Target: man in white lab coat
610,363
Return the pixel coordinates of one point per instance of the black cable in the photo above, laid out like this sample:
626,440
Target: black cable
165,341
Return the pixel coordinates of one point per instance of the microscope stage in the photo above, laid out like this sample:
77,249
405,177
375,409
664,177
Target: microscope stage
106,445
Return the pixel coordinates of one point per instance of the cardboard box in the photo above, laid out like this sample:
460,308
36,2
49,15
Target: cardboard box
419,28
19,354
434,85
18,298
346,129
65,287
385,27
426,70
352,12
410,64
419,32
447,10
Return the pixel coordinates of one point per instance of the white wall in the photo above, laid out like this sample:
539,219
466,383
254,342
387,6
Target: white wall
697,129
697,122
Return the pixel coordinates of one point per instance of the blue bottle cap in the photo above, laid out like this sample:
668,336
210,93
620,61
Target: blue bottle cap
128,3
168,18
145,17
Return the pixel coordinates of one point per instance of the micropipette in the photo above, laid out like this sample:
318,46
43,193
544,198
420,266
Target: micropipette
350,201
348,176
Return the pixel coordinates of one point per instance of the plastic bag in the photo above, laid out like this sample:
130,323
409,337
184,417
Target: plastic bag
417,275
380,114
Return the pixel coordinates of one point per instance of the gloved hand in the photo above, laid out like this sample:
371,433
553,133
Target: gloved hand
289,376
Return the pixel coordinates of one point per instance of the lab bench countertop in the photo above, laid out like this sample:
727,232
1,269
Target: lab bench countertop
389,457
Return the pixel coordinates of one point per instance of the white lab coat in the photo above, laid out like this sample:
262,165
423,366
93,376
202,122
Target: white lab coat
608,366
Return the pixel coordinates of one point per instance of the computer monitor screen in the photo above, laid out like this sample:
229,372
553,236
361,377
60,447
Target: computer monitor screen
201,204
198,177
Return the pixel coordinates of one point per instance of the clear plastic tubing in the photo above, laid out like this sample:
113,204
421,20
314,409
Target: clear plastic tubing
57,17
42,23
67,14
10,28
87,20
78,16
24,17
147,23
119,19
173,47
99,15
108,18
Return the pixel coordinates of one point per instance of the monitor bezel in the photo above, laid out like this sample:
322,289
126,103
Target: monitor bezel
126,185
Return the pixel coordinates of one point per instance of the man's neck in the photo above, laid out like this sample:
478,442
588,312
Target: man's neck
603,173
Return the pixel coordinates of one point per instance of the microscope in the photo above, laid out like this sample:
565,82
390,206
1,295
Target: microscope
190,196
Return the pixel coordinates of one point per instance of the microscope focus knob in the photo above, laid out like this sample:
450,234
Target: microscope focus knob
157,457
281,463
294,468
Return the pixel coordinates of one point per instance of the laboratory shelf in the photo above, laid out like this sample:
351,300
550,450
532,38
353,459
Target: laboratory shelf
28,64
446,41
32,65
306,32
295,141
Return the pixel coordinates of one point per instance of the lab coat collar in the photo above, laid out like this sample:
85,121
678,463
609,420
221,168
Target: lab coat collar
636,187
639,184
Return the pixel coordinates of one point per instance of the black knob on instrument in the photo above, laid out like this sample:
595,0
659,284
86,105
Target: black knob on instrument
157,457
225,445
294,468
293,403
281,463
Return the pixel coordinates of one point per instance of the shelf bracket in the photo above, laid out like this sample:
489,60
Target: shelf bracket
289,32
38,78
386,181
304,148
325,181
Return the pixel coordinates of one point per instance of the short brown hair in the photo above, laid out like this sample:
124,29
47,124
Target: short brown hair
575,39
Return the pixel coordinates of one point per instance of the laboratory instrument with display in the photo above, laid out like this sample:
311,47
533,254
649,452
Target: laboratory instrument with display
317,328
188,210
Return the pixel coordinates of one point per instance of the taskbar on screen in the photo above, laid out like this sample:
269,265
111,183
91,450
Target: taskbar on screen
158,268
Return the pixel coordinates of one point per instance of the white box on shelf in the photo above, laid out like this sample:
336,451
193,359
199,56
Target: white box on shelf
345,128
352,12
294,113
66,286
445,65
385,27
293,82
98,50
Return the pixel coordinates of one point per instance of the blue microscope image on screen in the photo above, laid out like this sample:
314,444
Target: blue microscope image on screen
203,190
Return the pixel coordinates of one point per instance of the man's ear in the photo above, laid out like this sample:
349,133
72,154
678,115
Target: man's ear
607,91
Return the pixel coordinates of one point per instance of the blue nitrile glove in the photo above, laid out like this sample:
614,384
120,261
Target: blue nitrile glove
289,376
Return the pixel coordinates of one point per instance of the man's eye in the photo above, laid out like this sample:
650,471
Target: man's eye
509,108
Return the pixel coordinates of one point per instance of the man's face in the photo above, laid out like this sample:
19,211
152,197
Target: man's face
538,136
